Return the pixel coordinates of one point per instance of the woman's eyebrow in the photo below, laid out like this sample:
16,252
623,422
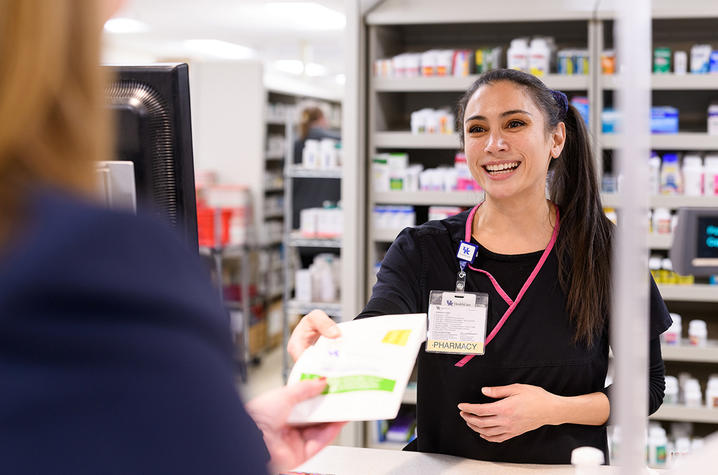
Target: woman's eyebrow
503,114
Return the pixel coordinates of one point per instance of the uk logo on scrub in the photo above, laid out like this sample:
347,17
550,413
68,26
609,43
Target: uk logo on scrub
466,252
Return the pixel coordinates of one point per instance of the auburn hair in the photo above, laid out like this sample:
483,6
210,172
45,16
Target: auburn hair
54,124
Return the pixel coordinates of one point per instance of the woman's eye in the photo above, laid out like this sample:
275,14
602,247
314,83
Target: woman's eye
515,123
475,129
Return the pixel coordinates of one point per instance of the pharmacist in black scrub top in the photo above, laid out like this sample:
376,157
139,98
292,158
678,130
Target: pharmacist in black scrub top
537,391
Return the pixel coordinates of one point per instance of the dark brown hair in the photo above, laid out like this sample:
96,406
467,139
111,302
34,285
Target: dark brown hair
309,116
585,236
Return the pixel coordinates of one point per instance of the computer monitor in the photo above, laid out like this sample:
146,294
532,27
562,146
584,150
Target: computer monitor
151,109
695,242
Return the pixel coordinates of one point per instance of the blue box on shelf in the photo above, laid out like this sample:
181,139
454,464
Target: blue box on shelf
664,120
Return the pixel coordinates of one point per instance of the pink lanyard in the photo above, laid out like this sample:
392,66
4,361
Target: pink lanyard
502,293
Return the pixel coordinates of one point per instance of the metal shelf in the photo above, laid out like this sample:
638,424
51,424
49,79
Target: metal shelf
458,84
274,214
687,352
232,250
690,293
670,82
611,200
274,189
429,198
660,241
273,156
676,412
297,172
333,309
297,240
409,140
395,12
276,121
679,141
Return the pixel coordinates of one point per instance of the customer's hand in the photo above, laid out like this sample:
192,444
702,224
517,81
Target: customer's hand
288,445
522,408
313,325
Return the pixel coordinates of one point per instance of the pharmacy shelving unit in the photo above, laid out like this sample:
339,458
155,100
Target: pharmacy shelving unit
390,28
217,255
691,94
293,239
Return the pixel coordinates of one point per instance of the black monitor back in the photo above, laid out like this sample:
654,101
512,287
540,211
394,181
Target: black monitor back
151,108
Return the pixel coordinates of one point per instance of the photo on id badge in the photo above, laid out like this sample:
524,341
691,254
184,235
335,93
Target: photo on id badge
457,322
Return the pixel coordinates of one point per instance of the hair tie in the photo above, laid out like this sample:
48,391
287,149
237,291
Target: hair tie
561,101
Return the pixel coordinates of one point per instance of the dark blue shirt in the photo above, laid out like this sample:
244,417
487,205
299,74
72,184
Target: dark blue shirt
115,354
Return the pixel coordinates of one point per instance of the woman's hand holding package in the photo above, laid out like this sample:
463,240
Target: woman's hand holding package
313,325
521,408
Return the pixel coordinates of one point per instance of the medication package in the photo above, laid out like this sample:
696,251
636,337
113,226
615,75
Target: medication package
367,369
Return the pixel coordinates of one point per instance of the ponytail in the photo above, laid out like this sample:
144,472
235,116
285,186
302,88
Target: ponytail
584,250
584,245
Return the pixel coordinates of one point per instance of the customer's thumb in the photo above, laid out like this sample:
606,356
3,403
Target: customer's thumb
307,389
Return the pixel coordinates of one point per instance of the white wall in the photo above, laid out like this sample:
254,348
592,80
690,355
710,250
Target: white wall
228,123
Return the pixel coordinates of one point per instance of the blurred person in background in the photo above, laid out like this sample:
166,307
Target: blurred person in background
115,353
312,192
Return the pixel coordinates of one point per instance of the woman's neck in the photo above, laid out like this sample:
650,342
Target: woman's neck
514,226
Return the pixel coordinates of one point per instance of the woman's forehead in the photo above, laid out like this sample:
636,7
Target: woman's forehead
498,97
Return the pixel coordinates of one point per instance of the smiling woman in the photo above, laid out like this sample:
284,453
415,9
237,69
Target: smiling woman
538,390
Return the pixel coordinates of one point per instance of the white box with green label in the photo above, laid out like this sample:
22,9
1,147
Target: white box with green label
367,369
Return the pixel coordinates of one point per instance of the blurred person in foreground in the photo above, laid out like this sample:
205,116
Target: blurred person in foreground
115,353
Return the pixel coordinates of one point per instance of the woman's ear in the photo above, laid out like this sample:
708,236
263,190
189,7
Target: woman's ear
558,140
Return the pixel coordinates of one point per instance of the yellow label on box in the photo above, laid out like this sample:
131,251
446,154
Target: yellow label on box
463,347
397,337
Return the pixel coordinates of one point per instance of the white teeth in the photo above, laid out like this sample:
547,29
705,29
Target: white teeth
502,166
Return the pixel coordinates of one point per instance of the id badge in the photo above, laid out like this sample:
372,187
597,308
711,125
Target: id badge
457,322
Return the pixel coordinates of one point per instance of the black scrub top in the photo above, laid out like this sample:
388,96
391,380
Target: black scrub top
535,346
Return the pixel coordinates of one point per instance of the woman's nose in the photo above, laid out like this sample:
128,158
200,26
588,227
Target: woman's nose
495,143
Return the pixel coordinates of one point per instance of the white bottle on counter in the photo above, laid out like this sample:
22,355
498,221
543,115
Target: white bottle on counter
710,176
692,175
587,460
698,332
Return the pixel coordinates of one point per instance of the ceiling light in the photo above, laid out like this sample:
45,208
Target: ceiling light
291,66
219,49
315,69
125,25
305,15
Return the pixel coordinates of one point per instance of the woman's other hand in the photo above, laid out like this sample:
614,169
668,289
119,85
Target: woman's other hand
522,408
290,446
313,325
